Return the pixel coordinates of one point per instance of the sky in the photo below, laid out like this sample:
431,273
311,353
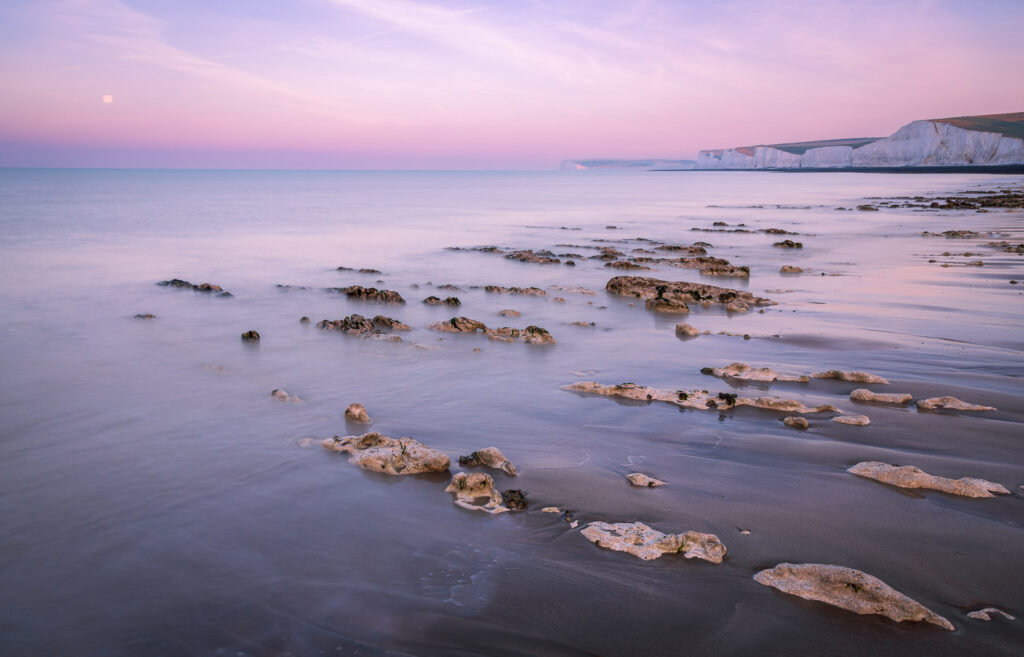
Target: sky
491,84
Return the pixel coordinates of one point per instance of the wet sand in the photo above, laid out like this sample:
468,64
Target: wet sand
158,501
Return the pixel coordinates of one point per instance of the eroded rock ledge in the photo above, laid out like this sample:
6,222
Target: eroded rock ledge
528,291
908,476
745,372
661,294
642,541
863,394
697,399
207,288
848,589
394,456
369,294
950,403
361,326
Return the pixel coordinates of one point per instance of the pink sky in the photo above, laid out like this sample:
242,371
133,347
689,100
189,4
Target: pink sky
502,85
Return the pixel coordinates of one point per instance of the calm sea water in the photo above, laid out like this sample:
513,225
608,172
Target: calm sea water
156,500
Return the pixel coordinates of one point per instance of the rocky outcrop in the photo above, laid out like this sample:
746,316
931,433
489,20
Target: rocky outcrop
539,257
529,335
987,613
790,269
448,301
853,420
362,326
490,457
206,288
788,244
908,476
641,480
684,330
696,399
796,422
368,294
677,294
393,456
747,373
528,291
476,492
641,541
865,395
848,589
854,377
356,412
950,403
250,336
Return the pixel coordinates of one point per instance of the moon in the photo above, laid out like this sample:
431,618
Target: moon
107,98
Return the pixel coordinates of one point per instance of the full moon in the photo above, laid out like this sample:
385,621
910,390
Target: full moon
107,98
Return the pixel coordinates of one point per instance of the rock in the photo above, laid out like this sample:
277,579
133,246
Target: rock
369,294
394,456
367,270
304,320
682,293
855,377
696,399
582,323
725,270
529,335
641,541
865,395
356,412
987,613
684,330
203,287
362,326
509,313
283,396
458,325
643,481
950,403
848,589
663,305
574,290
854,420
747,373
514,499
908,476
796,422
558,300
540,258
867,208
789,244
146,316
623,264
490,457
551,509
448,301
528,291
790,269
250,336
476,492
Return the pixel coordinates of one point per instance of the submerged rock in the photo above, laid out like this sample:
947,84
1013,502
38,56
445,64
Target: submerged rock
862,394
283,396
796,422
731,271
987,613
908,476
200,287
145,316
369,294
854,377
641,541
663,305
681,293
789,244
528,291
448,301
643,481
458,325
854,420
791,269
623,264
304,320
684,330
848,589
747,373
356,412
490,457
514,499
539,257
950,403
696,399
529,335
250,336
509,313
394,456
476,492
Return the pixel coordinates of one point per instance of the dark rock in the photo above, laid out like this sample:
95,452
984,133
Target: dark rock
250,336
789,244
370,294
514,499
145,316
449,301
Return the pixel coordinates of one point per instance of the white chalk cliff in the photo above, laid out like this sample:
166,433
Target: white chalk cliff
990,140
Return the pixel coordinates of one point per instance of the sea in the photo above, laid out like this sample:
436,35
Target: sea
157,500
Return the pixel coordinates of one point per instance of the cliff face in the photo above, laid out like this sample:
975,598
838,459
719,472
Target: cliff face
964,141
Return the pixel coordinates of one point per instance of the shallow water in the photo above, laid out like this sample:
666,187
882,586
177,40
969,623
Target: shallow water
157,501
